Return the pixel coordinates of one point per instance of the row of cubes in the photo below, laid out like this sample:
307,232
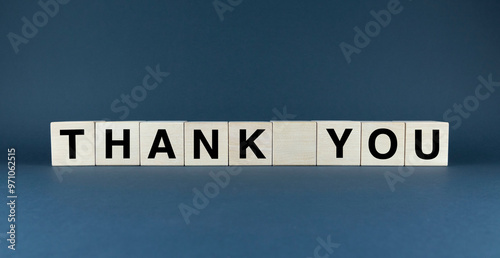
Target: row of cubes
293,143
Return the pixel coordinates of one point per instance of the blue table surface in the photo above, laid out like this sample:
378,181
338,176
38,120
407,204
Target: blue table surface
252,61
262,212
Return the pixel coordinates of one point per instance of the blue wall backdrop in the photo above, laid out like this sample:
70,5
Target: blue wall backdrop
231,60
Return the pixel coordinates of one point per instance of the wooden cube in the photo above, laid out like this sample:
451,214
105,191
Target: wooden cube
382,143
162,143
250,143
72,143
206,143
339,143
294,143
427,143
117,143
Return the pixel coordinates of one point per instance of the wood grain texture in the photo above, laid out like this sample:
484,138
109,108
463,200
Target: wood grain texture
427,144
294,143
117,129
327,150
84,144
170,134
207,129
382,143
263,142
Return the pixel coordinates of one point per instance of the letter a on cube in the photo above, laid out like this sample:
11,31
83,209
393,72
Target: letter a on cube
162,143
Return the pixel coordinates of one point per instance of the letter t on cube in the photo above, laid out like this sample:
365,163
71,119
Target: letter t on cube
72,143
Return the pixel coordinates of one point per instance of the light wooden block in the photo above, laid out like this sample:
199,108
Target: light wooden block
162,143
250,143
294,143
212,152
123,149
80,136
348,136
431,149
384,152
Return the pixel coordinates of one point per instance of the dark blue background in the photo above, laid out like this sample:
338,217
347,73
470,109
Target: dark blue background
264,56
